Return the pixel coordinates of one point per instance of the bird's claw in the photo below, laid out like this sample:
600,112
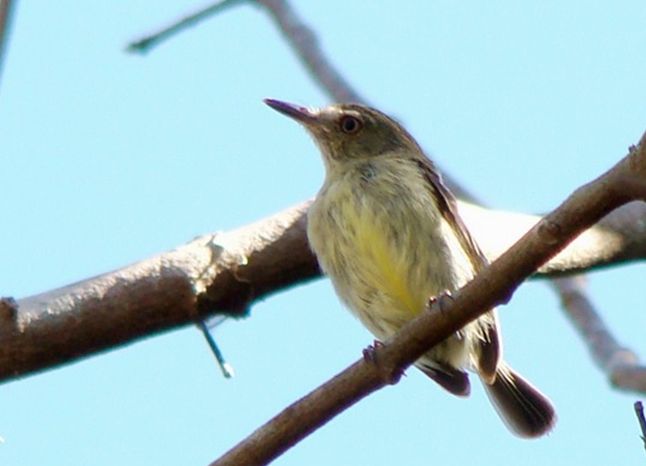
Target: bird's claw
442,300
370,354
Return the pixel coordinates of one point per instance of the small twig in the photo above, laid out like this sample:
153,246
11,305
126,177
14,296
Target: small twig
620,364
639,411
298,35
146,43
225,367
6,13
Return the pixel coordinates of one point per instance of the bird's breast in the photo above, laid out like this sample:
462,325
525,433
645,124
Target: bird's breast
385,246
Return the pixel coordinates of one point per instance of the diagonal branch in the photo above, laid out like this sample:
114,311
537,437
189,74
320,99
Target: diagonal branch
617,238
620,364
495,285
298,35
146,43
306,46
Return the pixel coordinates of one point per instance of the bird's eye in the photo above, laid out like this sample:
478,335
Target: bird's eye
350,124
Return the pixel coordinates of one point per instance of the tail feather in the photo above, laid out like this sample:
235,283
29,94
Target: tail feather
523,408
450,379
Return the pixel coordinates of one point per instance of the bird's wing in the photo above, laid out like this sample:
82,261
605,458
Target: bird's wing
491,347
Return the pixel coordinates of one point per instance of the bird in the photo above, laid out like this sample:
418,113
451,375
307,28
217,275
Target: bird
387,232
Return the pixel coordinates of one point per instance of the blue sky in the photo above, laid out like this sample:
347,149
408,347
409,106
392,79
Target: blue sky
108,158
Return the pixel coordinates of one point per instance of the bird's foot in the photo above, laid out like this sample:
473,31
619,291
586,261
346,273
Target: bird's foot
370,352
390,374
442,300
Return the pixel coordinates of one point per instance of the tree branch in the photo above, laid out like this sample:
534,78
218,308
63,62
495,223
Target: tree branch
305,45
495,285
146,43
303,41
225,273
620,364
619,237
298,35
201,278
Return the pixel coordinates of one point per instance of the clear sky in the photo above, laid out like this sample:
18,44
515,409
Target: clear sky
107,158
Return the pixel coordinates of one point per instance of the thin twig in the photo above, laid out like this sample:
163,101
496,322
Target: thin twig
639,411
225,367
303,41
298,35
145,44
6,14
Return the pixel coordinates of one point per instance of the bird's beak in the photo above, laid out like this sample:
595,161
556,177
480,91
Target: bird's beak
303,115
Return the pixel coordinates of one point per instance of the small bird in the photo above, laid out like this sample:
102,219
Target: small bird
387,232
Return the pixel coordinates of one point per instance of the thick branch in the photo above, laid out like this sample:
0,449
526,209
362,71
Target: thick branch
228,274
221,272
493,286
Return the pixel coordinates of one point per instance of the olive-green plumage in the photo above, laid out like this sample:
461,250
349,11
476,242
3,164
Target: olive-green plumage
387,232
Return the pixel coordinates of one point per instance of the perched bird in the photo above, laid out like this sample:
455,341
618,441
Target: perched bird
386,230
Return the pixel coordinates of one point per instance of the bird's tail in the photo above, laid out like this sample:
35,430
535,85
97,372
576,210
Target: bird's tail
523,408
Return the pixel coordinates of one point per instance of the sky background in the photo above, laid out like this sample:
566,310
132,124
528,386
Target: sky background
108,158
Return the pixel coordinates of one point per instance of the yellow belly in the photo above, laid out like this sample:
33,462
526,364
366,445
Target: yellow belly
384,262
387,249
384,266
